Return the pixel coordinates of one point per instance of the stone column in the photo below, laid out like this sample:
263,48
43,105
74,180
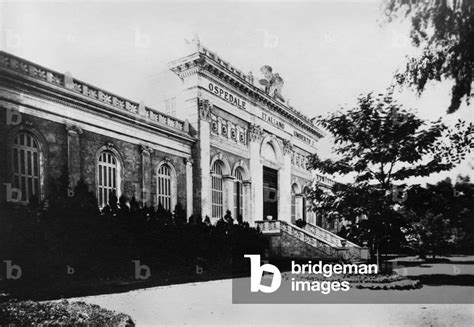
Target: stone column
146,175
247,205
285,184
73,155
299,206
228,186
205,108
256,171
189,187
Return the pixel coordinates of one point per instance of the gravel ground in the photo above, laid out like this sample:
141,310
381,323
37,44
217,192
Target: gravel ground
210,303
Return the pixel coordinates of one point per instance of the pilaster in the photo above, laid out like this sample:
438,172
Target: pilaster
256,171
189,186
205,108
146,174
73,154
285,184
228,186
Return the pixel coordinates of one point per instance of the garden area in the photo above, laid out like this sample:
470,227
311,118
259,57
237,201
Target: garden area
66,247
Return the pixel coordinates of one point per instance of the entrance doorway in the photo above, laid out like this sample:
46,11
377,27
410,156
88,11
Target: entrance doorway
270,193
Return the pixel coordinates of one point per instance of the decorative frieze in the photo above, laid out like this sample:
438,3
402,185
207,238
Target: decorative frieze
287,147
299,160
208,63
228,130
255,133
205,109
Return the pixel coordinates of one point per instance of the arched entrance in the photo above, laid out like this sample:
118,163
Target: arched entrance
270,193
270,154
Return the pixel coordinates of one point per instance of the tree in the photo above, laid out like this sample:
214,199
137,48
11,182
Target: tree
441,217
444,31
381,144
354,202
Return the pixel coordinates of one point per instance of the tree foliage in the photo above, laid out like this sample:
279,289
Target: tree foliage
371,207
381,143
440,217
444,31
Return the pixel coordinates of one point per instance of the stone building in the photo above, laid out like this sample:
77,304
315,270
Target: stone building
51,120
238,146
253,144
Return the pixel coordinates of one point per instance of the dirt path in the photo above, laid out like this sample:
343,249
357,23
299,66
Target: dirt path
210,303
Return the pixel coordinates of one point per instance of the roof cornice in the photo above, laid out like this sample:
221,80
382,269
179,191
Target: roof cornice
70,91
205,61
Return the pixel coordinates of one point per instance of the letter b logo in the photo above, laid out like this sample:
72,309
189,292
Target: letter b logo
141,271
13,271
256,274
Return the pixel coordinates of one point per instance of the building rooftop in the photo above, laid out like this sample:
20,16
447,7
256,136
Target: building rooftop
245,82
66,81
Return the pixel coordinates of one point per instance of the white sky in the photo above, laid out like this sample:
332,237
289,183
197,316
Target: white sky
327,52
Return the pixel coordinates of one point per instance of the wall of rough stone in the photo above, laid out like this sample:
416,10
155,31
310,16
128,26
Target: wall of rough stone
292,247
53,137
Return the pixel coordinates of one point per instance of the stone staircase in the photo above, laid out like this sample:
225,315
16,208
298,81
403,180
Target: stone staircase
289,240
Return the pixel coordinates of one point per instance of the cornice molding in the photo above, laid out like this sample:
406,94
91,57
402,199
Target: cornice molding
62,96
25,73
206,62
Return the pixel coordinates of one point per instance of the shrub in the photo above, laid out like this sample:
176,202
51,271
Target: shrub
71,232
62,313
300,223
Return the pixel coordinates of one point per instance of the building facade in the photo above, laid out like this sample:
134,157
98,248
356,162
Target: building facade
251,148
240,147
50,121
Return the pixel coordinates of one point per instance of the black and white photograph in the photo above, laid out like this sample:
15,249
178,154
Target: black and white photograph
224,163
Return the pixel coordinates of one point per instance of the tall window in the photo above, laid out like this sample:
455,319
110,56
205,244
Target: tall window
238,194
164,187
108,170
26,166
217,191
308,207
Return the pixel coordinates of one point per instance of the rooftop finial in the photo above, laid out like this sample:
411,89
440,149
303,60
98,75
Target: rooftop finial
195,42
273,83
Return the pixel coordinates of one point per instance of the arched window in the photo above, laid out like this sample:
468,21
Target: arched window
238,194
164,187
217,191
268,152
310,216
26,166
108,177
